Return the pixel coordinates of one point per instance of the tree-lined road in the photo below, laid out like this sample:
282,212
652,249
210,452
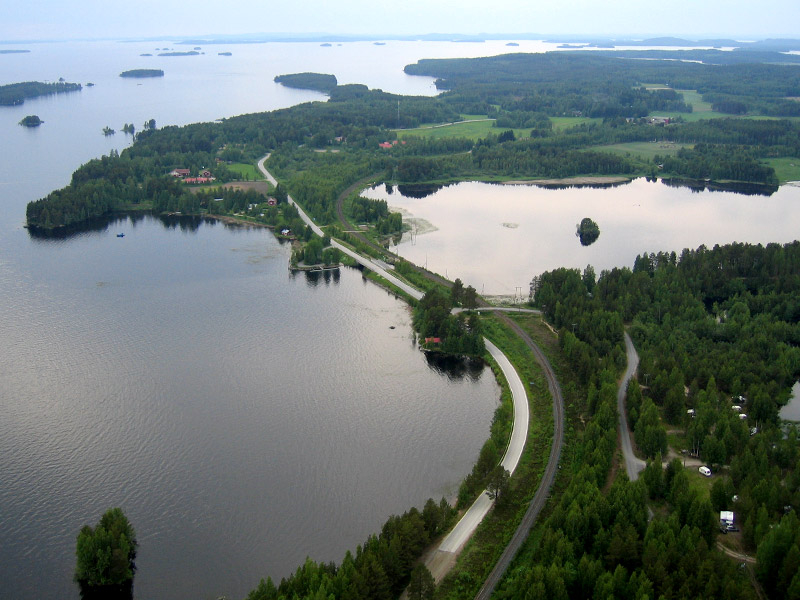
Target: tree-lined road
442,560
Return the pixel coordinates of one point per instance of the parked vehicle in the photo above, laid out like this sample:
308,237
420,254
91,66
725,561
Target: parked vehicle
704,470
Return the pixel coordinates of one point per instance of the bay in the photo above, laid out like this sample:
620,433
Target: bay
498,237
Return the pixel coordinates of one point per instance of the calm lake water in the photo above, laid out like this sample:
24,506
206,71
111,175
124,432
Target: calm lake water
498,237
242,417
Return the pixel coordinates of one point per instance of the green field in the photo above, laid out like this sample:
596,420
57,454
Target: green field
561,123
475,128
642,150
246,171
787,169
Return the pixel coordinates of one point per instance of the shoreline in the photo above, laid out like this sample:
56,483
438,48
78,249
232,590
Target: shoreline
600,180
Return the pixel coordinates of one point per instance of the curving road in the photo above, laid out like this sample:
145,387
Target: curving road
633,465
441,560
543,492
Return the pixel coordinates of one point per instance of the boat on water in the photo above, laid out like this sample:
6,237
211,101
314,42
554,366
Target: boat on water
120,235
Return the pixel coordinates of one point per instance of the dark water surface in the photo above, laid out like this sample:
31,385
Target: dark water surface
243,418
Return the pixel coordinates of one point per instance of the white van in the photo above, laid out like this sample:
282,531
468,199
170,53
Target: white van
704,470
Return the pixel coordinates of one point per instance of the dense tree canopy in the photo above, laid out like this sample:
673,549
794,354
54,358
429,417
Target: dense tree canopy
106,553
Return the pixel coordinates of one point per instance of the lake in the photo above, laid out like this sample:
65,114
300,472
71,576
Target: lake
242,417
498,237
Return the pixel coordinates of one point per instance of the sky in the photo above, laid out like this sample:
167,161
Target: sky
25,20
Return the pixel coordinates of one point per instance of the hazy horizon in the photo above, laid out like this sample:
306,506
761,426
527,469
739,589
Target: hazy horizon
52,20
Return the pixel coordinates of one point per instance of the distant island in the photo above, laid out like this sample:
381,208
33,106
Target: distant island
140,73
31,121
15,94
13,51
224,54
588,231
318,82
176,53
512,44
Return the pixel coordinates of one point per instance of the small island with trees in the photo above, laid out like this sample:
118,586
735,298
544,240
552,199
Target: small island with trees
319,82
31,121
105,557
588,231
142,73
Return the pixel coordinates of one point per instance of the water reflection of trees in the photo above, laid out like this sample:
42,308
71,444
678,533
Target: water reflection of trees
326,276
738,187
416,190
107,592
186,224
455,368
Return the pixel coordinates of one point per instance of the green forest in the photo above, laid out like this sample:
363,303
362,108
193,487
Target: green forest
319,82
717,329
612,102
14,94
141,73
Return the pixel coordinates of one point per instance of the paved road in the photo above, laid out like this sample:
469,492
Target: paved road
543,492
442,560
370,264
633,465
456,539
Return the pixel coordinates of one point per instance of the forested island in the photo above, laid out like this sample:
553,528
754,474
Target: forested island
180,53
588,231
31,121
15,94
318,82
142,73
716,328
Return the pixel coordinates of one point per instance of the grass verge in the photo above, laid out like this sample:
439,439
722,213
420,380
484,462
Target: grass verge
482,551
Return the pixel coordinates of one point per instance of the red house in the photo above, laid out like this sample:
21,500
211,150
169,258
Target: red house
180,173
